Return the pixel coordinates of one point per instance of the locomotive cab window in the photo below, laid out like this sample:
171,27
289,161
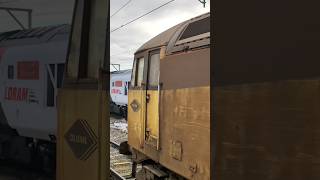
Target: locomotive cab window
133,74
193,35
196,29
137,73
154,67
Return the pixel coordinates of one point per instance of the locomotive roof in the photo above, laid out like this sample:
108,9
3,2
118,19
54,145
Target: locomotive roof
163,38
35,35
122,71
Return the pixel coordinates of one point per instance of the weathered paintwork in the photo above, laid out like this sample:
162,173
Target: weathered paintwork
137,118
267,90
186,122
269,130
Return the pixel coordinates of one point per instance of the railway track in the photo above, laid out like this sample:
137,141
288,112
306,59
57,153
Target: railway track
120,165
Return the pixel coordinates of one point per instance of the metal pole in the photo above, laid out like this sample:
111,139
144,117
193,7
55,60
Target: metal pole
15,9
203,2
16,19
30,19
113,65
10,10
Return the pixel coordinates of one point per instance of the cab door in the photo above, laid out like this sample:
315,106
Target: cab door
143,100
137,103
152,100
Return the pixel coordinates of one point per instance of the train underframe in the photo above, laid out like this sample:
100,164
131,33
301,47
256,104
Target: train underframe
120,110
151,170
32,153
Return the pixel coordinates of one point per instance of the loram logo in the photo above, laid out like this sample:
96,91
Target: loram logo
16,94
20,94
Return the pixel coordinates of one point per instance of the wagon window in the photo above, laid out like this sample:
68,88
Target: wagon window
126,90
10,72
153,76
196,28
60,75
50,85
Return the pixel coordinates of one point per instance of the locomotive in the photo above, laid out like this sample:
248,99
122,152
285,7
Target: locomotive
169,104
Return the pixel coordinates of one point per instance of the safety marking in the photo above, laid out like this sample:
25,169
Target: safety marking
135,105
81,139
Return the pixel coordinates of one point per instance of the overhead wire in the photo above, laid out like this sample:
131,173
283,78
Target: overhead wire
141,16
12,1
120,8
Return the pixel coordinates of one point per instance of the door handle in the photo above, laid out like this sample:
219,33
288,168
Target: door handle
147,134
148,98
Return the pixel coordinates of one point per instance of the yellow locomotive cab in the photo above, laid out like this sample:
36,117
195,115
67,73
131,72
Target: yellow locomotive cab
169,103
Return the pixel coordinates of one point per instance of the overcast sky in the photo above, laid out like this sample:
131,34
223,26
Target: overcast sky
126,40
45,12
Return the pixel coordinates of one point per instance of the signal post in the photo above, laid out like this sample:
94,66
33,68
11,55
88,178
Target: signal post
83,132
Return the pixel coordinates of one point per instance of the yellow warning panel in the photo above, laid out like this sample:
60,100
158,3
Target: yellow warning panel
83,128
81,137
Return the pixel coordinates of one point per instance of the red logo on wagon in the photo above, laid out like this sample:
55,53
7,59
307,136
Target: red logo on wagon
115,91
16,94
118,83
28,70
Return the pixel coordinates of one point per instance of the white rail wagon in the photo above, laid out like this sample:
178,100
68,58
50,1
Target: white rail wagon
31,72
31,67
119,83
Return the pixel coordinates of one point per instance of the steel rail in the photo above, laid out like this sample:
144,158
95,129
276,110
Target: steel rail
115,175
115,144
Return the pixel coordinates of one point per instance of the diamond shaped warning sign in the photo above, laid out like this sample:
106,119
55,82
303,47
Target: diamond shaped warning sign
135,105
81,139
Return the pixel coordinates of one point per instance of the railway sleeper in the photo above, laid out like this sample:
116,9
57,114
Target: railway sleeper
151,170
156,172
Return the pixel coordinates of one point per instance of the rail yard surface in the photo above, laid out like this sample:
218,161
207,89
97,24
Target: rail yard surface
121,165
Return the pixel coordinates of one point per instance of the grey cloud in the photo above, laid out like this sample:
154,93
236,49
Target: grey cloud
127,40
